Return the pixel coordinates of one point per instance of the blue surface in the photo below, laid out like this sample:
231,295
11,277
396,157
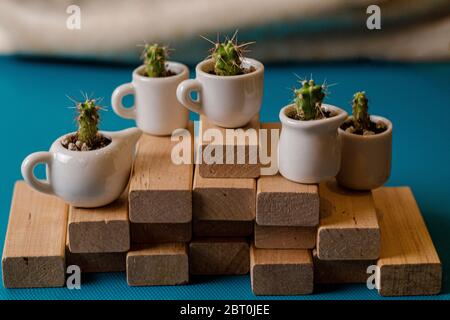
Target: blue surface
414,96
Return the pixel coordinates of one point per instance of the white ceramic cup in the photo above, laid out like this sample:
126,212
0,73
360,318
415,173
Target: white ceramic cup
309,151
227,101
366,160
156,109
85,178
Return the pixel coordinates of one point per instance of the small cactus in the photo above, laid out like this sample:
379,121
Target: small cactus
155,60
361,118
308,100
88,118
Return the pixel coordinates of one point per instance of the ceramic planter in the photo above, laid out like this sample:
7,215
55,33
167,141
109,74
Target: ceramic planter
227,101
156,109
366,160
309,151
85,178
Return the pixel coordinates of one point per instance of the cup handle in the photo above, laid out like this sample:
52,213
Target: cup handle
27,171
116,101
184,90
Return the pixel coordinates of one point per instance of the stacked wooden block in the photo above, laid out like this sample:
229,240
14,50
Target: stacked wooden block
224,219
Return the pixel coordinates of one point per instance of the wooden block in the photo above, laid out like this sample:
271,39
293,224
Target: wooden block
219,256
285,237
409,263
100,230
280,202
161,232
348,227
240,141
223,199
218,228
160,190
158,264
34,251
341,271
281,271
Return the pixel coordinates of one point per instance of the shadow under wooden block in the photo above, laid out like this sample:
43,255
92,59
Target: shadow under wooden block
34,250
281,271
161,190
99,230
219,256
222,228
280,202
341,271
160,232
223,198
348,228
409,263
235,155
270,237
158,265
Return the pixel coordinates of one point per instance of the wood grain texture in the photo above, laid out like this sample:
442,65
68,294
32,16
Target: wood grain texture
341,271
409,263
269,237
223,198
348,227
158,265
281,271
219,256
249,169
222,228
161,232
100,230
34,250
160,190
280,202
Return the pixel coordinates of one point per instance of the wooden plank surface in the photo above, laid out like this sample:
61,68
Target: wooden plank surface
34,250
219,256
222,228
160,190
100,230
158,265
248,147
223,198
161,232
281,271
348,227
269,237
409,263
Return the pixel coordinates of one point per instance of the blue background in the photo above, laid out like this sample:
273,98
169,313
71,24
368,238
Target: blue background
415,97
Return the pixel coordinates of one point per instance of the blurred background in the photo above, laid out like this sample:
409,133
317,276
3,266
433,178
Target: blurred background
284,30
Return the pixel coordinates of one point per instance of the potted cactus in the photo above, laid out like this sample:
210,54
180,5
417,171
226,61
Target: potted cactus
229,85
366,148
86,168
309,149
156,109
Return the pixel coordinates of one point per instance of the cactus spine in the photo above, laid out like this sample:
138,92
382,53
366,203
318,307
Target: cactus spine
361,118
308,100
88,118
155,60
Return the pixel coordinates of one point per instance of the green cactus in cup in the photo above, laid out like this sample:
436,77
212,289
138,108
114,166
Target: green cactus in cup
361,118
308,101
155,60
88,119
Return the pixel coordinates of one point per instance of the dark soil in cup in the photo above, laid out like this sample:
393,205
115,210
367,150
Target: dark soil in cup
324,114
375,128
167,73
245,71
71,142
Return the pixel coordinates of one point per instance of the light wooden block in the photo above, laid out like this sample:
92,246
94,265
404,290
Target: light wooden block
281,271
100,230
242,144
219,256
160,190
280,202
223,198
34,250
158,264
285,237
341,271
348,227
409,263
161,232
218,228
